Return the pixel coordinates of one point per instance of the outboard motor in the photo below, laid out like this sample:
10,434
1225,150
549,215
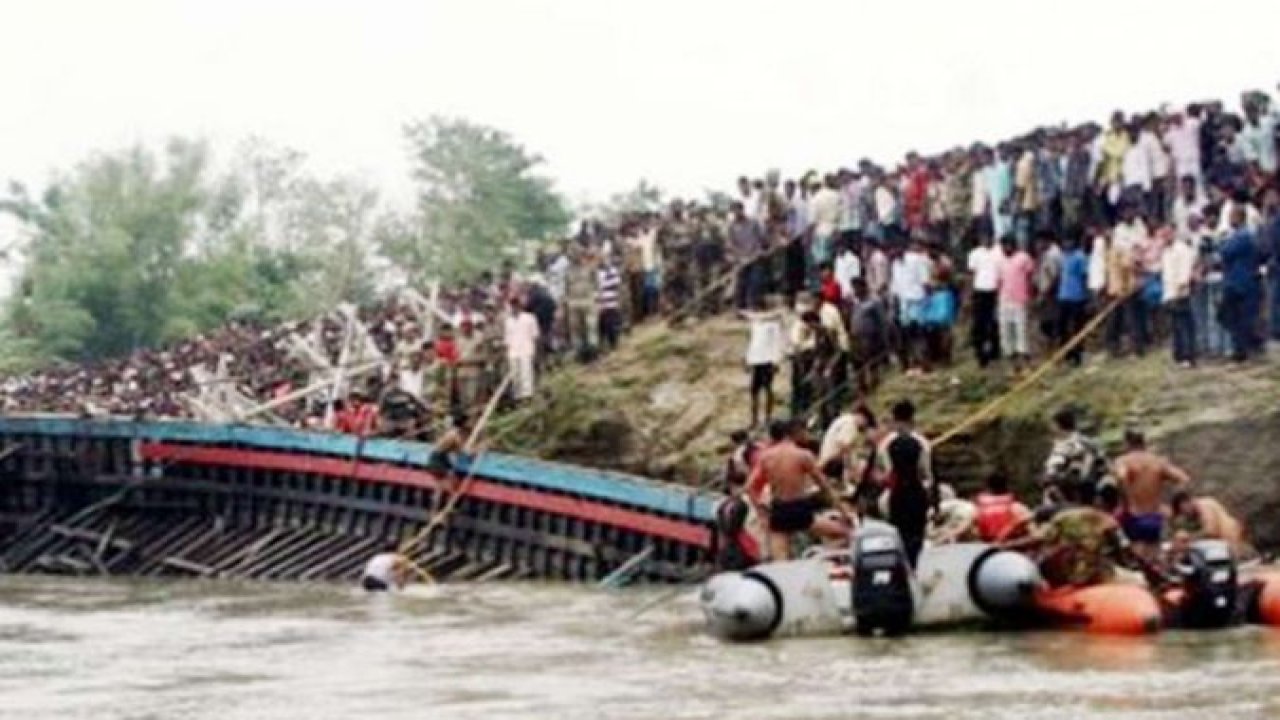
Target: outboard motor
883,592
1209,584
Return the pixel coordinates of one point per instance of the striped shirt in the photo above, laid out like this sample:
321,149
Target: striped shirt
607,283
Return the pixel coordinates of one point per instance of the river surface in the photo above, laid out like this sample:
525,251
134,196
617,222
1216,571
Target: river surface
129,649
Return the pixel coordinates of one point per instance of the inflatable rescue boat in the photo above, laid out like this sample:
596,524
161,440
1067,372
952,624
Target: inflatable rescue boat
870,588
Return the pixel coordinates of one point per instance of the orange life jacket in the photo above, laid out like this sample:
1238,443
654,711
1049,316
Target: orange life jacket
995,515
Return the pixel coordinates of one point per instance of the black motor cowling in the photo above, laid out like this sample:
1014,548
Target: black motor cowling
1210,585
882,581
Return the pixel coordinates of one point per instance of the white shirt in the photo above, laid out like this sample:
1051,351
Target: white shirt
557,273
984,264
520,333
1177,267
650,253
1183,210
831,319
1252,217
1261,142
877,271
909,275
847,269
838,438
1184,144
1098,265
1157,158
766,344
382,567
824,211
751,205
978,192
412,381
885,204
1136,168
1130,236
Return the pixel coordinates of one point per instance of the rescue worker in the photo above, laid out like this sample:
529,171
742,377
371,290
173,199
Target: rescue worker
733,546
905,460
790,470
388,570
1143,476
955,519
1073,545
998,509
452,443
1075,465
1205,517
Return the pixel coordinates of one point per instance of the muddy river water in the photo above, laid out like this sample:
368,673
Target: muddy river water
127,649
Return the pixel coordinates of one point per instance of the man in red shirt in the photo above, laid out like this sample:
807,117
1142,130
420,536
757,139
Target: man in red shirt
358,416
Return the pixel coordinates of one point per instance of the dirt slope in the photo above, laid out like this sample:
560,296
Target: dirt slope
665,402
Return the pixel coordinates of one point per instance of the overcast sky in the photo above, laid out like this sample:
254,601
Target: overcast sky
687,93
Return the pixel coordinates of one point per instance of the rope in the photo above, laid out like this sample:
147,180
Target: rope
985,412
443,514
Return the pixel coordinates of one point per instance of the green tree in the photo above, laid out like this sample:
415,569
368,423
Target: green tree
137,248
480,198
106,243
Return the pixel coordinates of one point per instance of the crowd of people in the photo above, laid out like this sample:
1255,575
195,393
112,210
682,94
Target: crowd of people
1093,514
1167,219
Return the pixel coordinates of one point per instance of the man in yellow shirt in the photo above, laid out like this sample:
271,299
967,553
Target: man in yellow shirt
1113,145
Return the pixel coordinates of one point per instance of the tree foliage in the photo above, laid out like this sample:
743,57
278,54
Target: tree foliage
136,248
479,199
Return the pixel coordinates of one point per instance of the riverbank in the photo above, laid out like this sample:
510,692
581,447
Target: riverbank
664,403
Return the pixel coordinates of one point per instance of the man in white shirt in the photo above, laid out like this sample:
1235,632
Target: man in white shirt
1183,140
848,267
1190,201
824,214
1161,167
1135,171
984,278
1252,217
909,279
520,335
1260,134
1177,272
766,347
878,270
558,272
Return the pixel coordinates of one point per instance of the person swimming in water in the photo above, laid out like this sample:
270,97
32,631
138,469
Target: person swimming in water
388,570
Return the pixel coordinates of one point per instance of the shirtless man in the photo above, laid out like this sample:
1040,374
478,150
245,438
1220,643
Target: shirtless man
1143,476
452,443
788,469
1205,517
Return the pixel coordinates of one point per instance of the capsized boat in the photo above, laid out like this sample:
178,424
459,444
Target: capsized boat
870,588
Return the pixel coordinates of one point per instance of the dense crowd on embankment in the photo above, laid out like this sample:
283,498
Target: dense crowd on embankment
1172,215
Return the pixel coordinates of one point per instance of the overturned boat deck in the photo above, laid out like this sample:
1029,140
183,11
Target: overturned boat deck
117,497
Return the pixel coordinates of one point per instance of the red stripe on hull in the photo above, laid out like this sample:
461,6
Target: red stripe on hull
588,510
